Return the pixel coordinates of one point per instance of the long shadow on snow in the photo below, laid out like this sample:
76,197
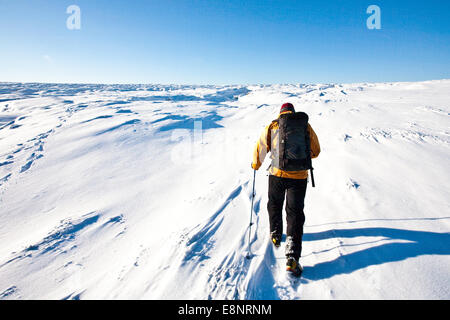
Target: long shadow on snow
379,219
421,243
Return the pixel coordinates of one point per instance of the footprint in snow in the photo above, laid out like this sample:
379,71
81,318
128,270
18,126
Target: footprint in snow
8,292
353,184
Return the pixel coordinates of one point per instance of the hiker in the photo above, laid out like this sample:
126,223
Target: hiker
291,158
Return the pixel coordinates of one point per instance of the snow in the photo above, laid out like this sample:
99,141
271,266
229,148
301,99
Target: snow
144,192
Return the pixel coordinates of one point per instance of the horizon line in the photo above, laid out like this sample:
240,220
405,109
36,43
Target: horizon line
217,85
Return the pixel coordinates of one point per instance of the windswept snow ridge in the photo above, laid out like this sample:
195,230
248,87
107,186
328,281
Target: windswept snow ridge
144,192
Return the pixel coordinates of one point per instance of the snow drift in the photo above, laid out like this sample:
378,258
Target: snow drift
144,192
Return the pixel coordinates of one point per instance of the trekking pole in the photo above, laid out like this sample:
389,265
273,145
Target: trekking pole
312,178
248,256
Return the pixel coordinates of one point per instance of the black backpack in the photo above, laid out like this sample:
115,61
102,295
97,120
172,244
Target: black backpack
295,147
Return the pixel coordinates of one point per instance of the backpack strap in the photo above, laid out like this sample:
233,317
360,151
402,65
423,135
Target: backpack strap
269,134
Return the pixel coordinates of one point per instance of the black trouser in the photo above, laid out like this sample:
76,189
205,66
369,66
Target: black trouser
295,190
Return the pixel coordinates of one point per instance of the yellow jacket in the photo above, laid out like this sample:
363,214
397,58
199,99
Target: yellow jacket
262,148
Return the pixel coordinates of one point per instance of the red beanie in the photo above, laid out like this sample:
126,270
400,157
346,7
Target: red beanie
287,107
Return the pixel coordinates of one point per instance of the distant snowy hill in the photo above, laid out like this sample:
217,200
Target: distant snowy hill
144,192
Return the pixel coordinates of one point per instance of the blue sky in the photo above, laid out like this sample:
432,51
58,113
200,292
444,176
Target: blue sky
224,42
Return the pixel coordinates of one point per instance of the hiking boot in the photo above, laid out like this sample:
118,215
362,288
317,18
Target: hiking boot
276,239
293,267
